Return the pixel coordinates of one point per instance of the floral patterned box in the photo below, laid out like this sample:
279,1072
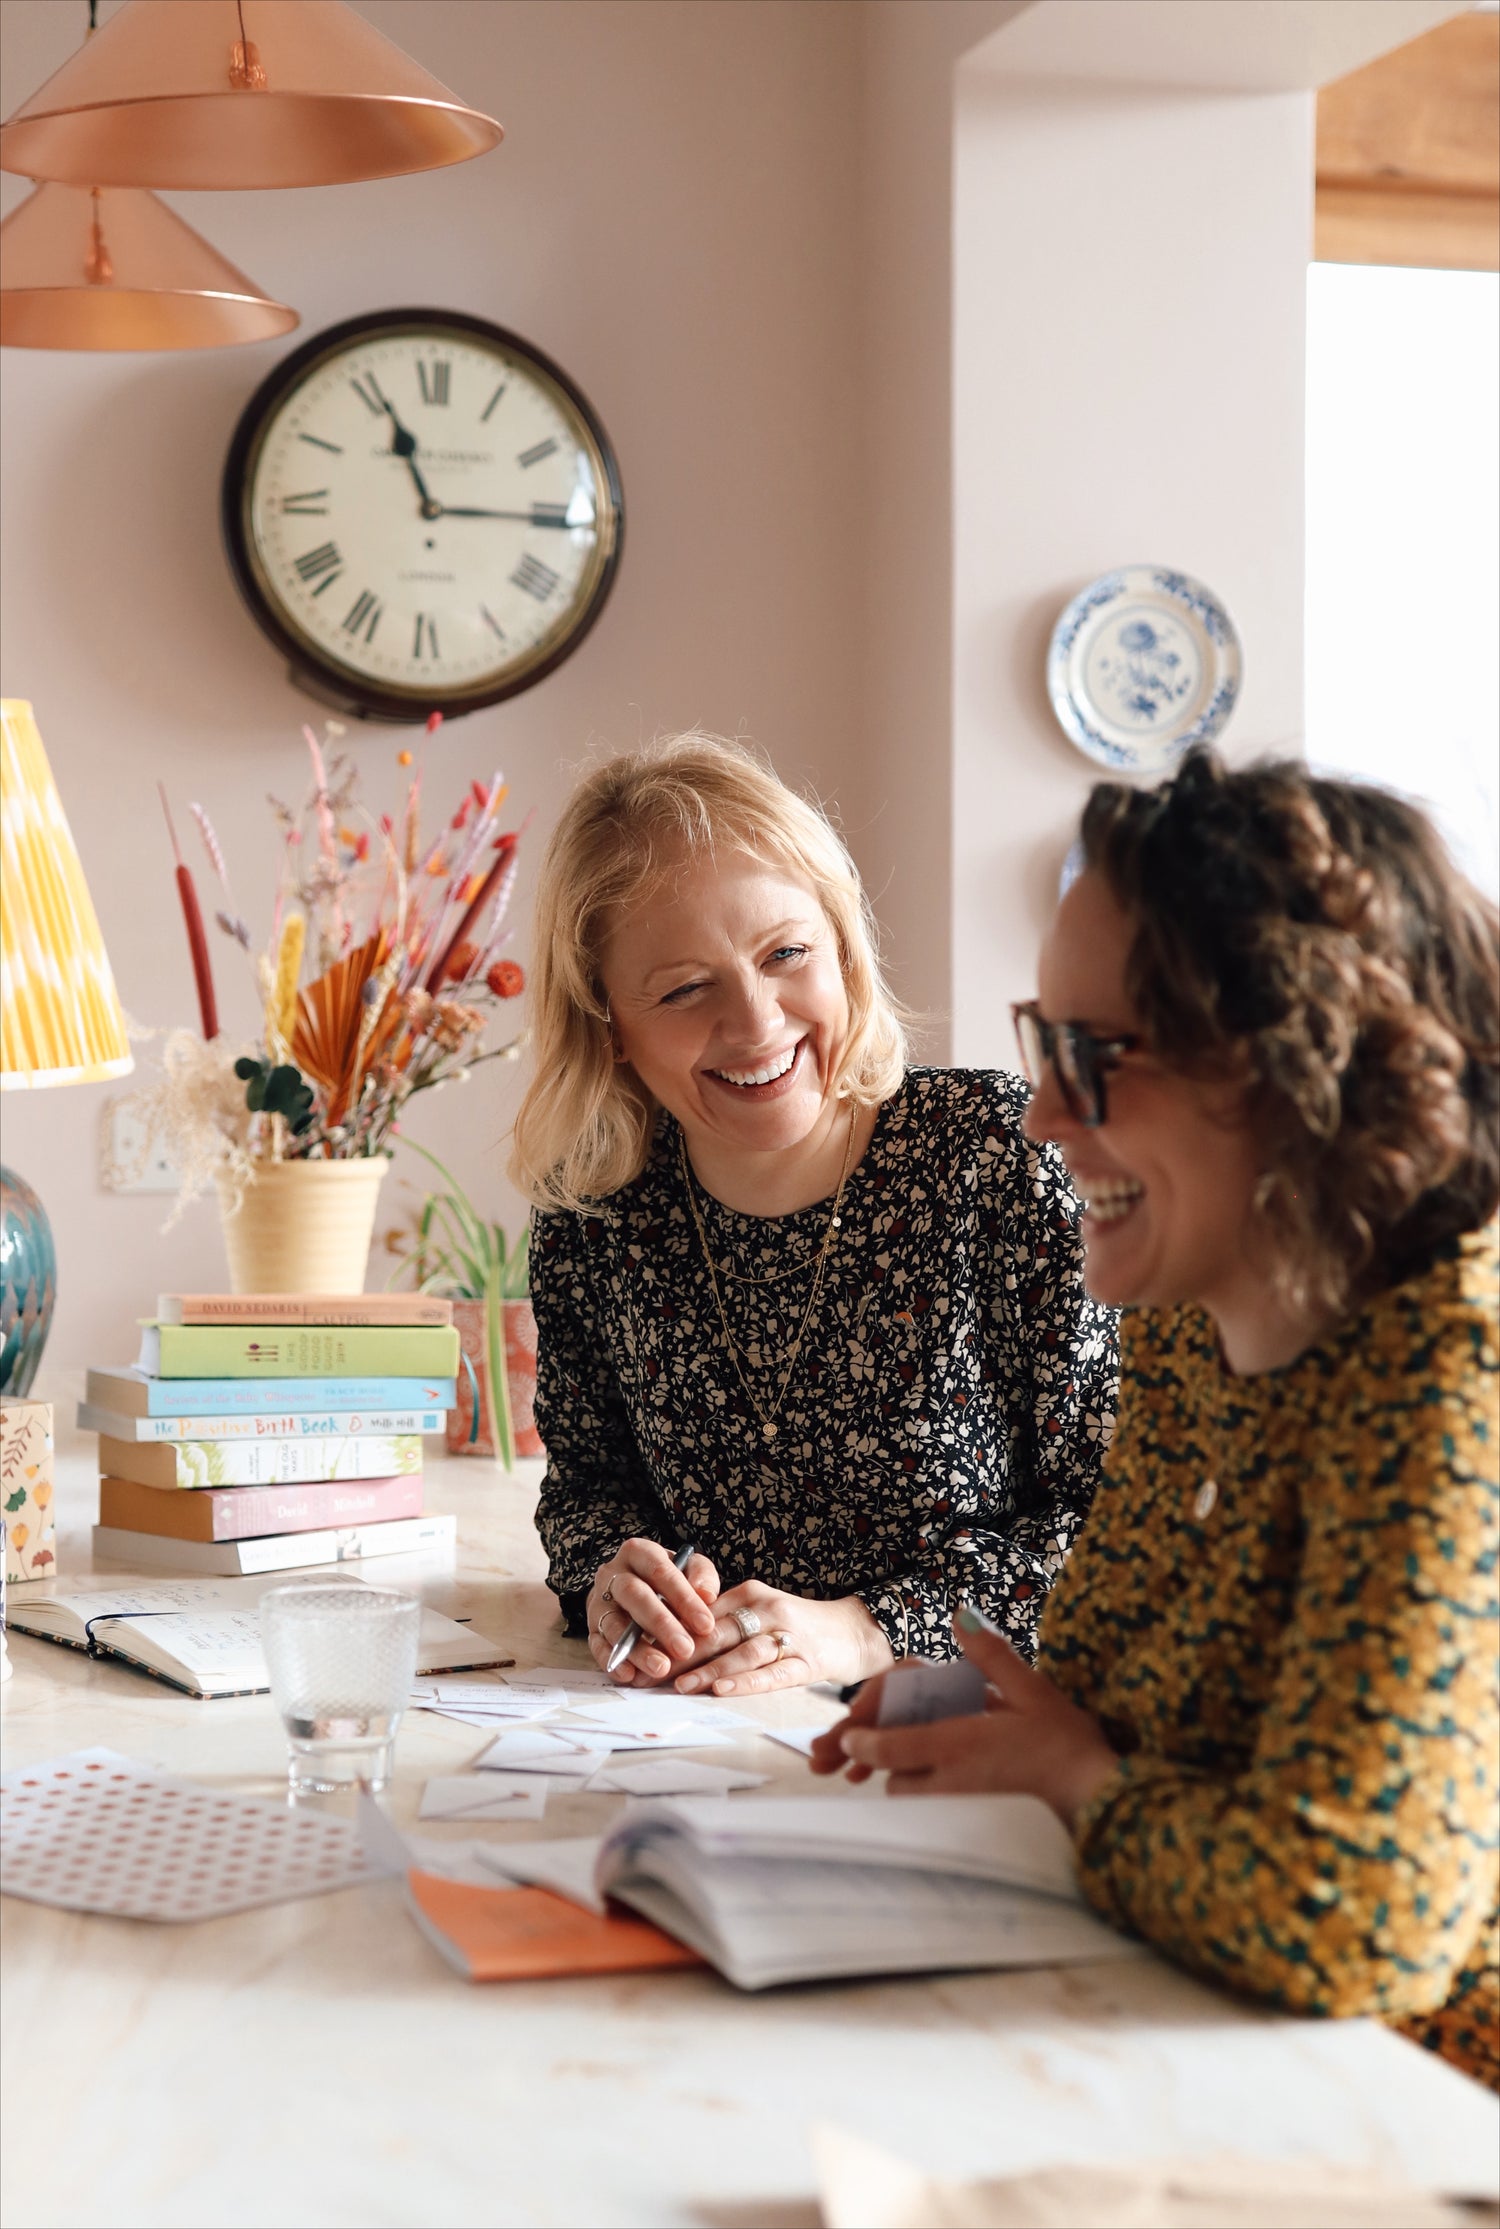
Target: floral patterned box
26,1489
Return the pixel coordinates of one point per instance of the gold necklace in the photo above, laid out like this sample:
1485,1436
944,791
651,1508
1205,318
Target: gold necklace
835,1222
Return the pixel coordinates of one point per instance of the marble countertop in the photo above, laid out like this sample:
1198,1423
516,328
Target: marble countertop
317,2063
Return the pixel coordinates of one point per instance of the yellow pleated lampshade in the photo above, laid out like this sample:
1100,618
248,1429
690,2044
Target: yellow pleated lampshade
60,1019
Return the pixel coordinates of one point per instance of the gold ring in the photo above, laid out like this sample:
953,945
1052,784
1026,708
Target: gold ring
608,1594
783,1644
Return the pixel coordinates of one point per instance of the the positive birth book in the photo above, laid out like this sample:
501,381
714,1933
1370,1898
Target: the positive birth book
203,1635
809,1888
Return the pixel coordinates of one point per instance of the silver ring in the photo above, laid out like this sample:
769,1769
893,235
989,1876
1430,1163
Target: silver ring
783,1644
748,1623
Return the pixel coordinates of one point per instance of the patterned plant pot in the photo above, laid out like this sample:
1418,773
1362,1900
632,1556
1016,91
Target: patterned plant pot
520,1358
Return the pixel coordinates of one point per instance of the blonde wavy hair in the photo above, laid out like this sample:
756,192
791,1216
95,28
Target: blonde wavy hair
586,1123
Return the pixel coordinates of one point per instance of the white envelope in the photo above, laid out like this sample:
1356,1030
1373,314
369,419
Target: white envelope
625,1712
560,1675
672,1776
670,1737
465,1797
469,1697
545,1749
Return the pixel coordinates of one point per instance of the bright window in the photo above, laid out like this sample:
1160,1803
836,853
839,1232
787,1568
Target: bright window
1403,541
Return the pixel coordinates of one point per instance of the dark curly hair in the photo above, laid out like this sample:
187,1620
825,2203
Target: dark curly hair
1319,931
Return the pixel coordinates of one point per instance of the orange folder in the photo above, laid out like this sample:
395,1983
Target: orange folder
528,1934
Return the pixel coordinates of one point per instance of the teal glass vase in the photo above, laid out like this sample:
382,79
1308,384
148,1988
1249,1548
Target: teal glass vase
28,1283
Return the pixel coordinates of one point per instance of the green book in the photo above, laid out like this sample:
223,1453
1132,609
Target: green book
213,1350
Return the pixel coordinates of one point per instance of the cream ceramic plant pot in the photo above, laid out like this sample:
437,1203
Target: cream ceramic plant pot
303,1226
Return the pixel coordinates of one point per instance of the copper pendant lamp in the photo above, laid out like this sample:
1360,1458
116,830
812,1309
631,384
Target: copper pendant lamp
106,267
217,94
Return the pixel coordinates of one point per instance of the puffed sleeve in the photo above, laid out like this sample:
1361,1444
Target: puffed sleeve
1350,1867
1056,1355
596,1493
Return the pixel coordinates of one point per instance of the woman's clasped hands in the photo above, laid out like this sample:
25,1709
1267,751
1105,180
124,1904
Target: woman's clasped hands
745,1641
1028,1740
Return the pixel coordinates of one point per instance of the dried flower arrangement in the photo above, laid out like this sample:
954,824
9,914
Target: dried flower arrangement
403,936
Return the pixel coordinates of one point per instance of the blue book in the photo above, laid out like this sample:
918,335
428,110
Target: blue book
129,1392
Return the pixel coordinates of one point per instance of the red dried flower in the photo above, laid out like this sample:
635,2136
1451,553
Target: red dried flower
459,962
506,979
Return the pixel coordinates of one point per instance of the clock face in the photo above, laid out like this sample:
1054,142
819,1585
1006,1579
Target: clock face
421,511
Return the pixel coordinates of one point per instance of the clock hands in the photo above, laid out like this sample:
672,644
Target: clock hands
528,518
404,445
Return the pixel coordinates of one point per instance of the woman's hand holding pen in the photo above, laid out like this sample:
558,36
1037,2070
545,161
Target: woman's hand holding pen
672,1609
745,1642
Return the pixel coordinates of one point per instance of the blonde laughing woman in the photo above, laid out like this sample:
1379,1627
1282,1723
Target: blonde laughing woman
816,1313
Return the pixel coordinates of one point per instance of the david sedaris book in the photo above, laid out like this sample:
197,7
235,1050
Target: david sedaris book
250,1512
209,1350
304,1308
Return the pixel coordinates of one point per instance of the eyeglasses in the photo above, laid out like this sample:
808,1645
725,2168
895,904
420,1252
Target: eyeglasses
1077,1057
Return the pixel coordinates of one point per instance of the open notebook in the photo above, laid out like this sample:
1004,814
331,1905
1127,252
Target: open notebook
808,1888
203,1635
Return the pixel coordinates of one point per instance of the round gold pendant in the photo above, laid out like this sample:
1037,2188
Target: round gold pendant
769,1430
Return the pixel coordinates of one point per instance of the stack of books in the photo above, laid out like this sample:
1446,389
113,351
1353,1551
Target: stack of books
262,1432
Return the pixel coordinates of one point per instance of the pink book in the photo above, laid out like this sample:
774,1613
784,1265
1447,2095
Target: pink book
248,1512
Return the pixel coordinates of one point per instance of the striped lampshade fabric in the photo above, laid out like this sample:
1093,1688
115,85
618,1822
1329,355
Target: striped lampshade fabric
60,1020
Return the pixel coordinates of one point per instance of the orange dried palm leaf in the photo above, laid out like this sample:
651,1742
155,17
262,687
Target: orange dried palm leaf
325,1042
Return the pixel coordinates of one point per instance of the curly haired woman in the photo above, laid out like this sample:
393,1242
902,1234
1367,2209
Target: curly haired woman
1265,1694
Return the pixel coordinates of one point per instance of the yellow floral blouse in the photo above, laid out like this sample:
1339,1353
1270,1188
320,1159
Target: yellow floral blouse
1284,1609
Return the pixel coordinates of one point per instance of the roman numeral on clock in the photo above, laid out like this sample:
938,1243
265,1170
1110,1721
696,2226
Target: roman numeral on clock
312,503
549,514
367,387
433,379
495,397
537,579
324,560
537,451
491,621
363,615
426,627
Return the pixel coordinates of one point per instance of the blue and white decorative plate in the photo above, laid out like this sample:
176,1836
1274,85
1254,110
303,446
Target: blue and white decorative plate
1142,665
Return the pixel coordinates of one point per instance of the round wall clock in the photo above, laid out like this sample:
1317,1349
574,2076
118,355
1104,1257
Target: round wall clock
422,512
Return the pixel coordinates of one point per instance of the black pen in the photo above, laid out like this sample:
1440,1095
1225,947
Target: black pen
632,1632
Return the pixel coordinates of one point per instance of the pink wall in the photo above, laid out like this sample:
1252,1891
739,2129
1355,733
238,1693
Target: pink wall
672,215
890,309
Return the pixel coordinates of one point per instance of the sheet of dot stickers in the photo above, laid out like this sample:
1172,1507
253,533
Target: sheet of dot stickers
97,1832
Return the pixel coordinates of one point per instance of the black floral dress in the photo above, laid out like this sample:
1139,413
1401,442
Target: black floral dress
942,1431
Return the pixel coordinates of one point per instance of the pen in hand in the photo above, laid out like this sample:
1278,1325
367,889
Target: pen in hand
632,1632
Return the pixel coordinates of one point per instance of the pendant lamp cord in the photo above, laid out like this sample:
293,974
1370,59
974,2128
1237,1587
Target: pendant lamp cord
93,17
